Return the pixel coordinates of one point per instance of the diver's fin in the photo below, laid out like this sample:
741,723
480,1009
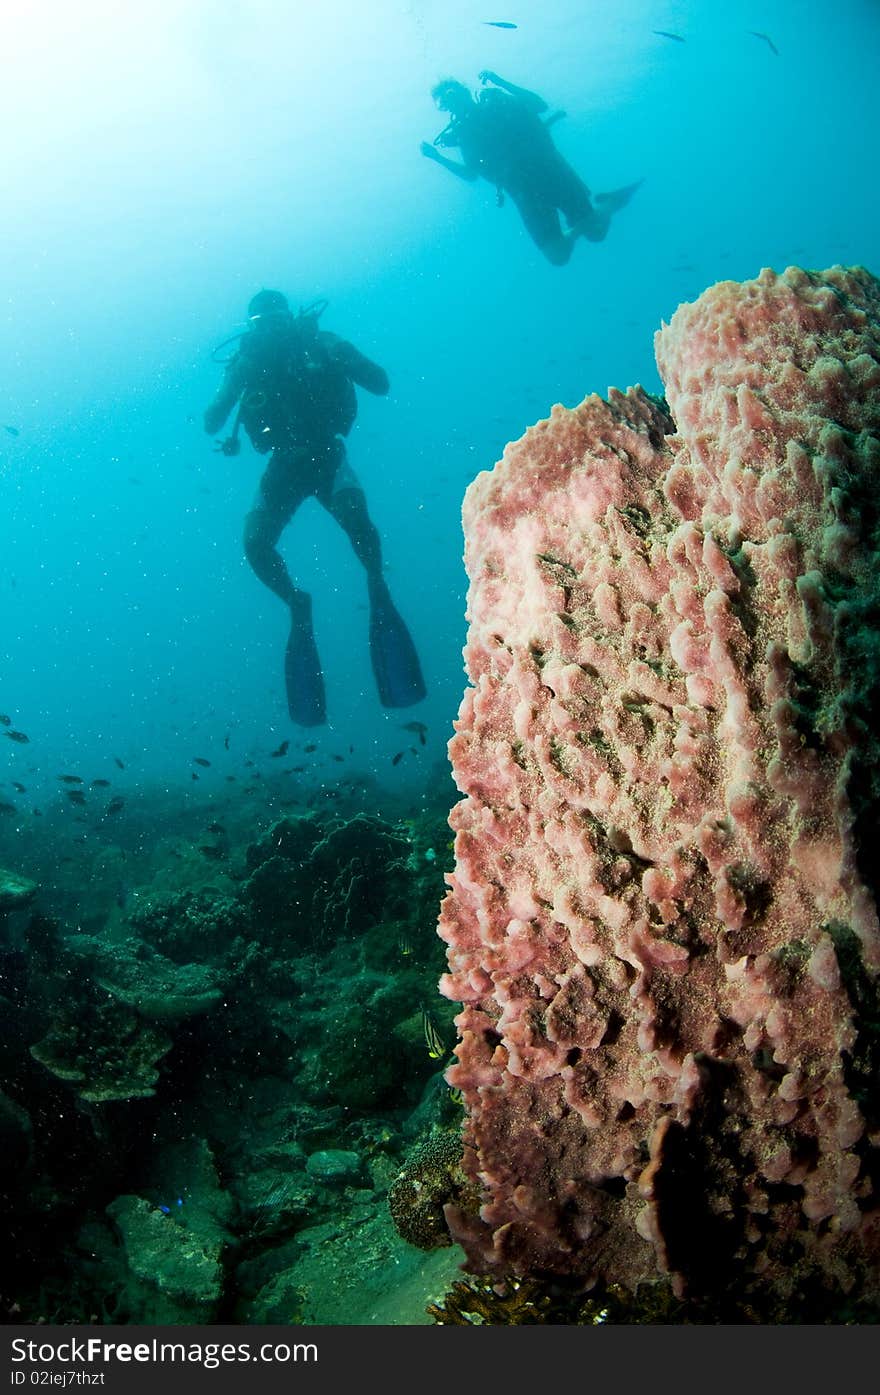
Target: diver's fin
306,701
618,198
393,654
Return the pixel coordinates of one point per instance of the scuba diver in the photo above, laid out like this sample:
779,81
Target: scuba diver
295,386
504,137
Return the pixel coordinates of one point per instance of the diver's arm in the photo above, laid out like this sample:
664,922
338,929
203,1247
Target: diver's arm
359,368
522,94
463,171
230,390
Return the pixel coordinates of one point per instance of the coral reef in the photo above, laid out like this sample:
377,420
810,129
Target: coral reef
188,925
206,1096
430,1179
103,1049
170,1264
138,976
662,921
318,879
529,1303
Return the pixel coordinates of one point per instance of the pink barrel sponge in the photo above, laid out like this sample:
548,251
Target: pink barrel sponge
662,923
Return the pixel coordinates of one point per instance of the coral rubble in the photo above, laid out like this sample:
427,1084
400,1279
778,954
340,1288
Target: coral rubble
662,922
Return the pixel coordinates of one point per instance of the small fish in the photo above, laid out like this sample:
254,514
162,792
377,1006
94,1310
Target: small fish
200,760
248,764
119,762
311,747
115,805
230,779
281,751
17,785
216,827
339,757
70,779
497,24
75,796
17,736
767,40
7,808
100,784
13,430
193,775
7,721
665,34
226,742
418,727
297,769
433,1040
395,760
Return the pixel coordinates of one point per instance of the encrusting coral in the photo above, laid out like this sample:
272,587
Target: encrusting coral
318,878
662,922
103,1049
431,1174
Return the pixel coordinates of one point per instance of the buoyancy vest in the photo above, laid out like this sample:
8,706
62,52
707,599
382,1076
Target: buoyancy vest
296,393
502,136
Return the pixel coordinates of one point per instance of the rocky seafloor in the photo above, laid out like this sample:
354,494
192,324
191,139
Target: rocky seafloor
222,1037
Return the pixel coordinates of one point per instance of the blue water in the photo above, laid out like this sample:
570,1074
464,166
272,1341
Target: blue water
166,161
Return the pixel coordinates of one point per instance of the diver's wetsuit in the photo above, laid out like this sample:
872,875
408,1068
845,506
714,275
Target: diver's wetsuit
508,144
298,401
296,386
504,137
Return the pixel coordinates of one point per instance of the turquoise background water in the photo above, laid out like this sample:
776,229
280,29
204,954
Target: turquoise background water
163,162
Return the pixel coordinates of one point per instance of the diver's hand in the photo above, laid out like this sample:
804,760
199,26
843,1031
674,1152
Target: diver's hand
428,151
231,446
488,76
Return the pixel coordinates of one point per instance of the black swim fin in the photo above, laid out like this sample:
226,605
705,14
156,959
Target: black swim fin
618,198
393,654
306,699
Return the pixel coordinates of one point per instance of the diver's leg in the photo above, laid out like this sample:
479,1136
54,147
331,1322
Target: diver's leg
572,196
349,507
277,500
393,655
261,533
590,219
541,222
